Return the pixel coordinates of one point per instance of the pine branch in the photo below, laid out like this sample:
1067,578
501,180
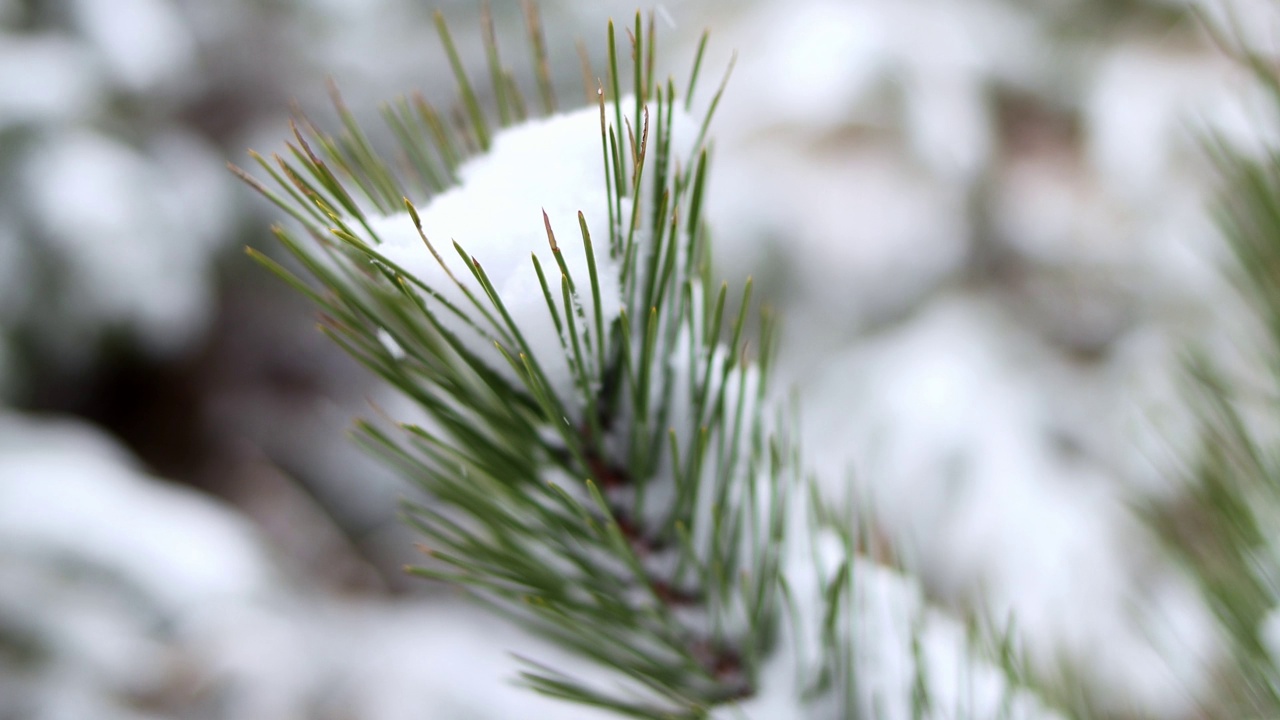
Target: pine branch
543,483
598,452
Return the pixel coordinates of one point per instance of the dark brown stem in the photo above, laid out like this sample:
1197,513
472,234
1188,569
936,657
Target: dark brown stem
721,662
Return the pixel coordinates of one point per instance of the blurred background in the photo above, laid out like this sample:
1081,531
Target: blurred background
986,224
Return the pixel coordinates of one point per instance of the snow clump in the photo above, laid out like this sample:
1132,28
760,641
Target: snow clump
495,213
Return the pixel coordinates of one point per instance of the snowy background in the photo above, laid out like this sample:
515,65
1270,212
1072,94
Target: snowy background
984,222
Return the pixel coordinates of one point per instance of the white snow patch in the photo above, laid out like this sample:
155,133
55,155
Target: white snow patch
132,587
865,234
551,165
824,65
390,344
65,489
374,660
898,642
132,231
1255,23
45,78
951,425
144,43
1147,107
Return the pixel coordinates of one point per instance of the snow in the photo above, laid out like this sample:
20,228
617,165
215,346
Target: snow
899,641
495,213
973,473
891,610
1150,105
807,52
852,234
45,77
144,44
132,230
821,65
134,587
113,210
859,174
1016,310
1255,23
65,489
